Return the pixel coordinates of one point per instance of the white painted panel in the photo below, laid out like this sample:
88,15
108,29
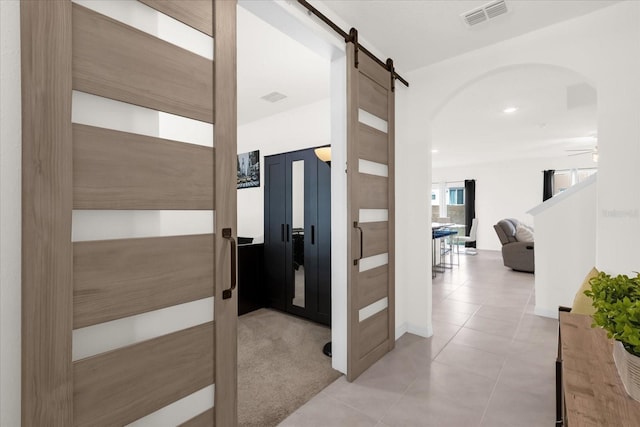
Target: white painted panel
116,224
373,121
115,334
373,215
372,168
107,113
10,213
179,411
184,129
184,36
373,308
147,19
373,262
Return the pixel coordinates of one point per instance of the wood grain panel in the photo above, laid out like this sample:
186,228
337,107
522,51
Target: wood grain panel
373,97
119,278
369,88
116,61
205,419
373,332
391,129
47,271
373,191
370,358
197,14
120,170
354,365
372,285
373,145
594,394
226,310
120,386
374,71
376,238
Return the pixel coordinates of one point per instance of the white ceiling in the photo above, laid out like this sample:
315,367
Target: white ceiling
557,111
416,33
270,61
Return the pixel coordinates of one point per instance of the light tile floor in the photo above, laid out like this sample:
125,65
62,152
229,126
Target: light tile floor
490,362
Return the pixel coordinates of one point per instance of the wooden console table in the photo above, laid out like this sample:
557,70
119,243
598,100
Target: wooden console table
589,383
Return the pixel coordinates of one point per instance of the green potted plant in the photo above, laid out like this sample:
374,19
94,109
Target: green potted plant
617,303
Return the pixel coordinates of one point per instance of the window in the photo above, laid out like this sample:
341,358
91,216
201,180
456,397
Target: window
563,179
456,196
435,197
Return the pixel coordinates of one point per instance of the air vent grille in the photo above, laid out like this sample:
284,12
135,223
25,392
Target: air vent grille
486,12
475,17
496,9
274,97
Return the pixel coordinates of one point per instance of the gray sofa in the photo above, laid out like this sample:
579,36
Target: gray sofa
516,255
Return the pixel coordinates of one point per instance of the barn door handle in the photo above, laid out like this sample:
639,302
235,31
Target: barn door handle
313,234
355,225
226,234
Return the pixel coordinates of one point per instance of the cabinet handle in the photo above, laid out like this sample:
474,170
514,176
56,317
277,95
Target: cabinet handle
313,234
355,225
226,234
282,232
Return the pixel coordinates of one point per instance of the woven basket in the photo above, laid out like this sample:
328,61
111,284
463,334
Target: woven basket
628,367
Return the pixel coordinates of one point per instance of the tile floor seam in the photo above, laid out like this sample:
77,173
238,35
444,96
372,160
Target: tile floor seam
447,343
495,385
364,413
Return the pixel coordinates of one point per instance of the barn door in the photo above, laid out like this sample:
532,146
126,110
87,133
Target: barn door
370,194
137,325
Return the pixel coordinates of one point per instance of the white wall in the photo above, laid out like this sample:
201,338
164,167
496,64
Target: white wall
507,190
303,127
10,212
565,248
601,46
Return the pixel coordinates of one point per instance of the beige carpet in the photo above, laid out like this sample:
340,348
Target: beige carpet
280,366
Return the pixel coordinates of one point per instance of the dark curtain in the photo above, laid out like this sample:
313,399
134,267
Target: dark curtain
547,184
469,207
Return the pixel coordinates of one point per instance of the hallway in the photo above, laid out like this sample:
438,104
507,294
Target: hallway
489,363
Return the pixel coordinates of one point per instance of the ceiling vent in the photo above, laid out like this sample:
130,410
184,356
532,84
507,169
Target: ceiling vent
274,97
486,12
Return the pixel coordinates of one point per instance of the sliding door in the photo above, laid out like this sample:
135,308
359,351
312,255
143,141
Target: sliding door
370,194
128,254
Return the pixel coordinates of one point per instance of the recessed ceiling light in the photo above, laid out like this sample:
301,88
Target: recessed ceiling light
274,97
434,150
510,110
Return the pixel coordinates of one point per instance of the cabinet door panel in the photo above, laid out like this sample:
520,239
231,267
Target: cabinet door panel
275,229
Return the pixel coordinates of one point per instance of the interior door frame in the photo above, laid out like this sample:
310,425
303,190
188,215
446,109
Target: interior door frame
295,23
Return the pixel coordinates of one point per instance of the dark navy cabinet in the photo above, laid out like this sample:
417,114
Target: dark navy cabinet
297,234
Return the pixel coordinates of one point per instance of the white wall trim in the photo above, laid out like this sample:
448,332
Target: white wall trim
419,330
546,312
401,330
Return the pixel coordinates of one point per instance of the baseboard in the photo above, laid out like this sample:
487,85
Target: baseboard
546,312
419,330
401,330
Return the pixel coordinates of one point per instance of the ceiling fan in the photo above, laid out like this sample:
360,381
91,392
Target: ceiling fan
580,151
